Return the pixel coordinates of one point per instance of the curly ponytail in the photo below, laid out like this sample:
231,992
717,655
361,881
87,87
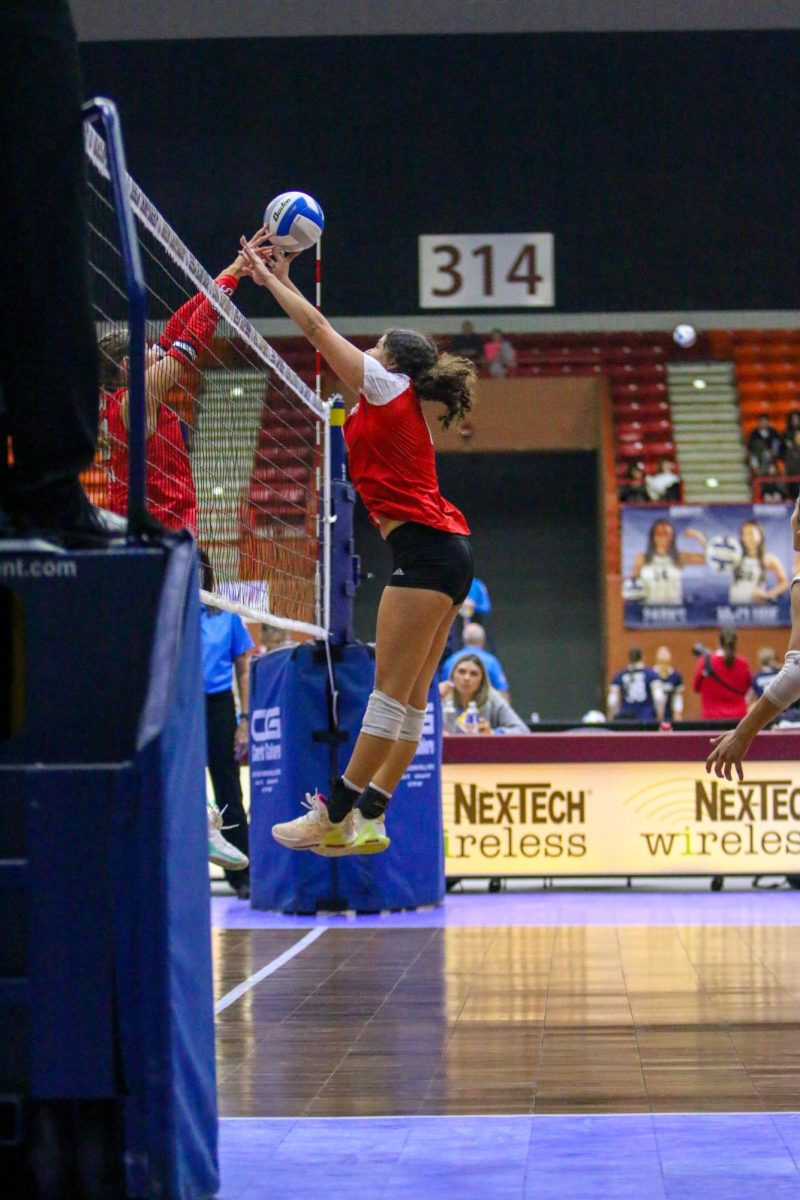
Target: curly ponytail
443,378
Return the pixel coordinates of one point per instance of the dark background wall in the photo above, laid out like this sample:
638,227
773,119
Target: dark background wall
664,163
534,527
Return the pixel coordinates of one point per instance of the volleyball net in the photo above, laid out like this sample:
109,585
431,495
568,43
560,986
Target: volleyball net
236,439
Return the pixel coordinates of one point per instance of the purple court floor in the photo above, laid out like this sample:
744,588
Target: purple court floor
649,1157
573,1044
593,906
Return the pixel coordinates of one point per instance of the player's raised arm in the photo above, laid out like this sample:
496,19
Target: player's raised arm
270,269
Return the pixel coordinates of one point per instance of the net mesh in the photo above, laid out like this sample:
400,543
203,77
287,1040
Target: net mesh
235,441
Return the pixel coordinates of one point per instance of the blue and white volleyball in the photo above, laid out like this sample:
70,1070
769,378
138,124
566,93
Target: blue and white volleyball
723,552
684,336
295,221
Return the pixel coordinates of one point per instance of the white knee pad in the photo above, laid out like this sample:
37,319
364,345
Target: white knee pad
384,716
413,723
784,689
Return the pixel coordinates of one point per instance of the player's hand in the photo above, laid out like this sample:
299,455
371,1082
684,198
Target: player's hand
240,741
729,750
237,267
253,260
279,262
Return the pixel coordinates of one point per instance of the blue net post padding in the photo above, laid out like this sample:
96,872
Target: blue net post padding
345,563
108,994
290,755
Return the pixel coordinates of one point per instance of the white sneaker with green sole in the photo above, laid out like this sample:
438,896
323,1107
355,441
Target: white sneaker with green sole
308,832
220,850
366,835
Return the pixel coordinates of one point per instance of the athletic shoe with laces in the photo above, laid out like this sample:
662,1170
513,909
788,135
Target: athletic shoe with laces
307,832
220,850
367,835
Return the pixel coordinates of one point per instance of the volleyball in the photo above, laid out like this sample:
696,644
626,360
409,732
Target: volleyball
295,221
723,552
685,336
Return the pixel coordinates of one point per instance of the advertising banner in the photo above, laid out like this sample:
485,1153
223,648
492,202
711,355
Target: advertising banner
707,565
622,818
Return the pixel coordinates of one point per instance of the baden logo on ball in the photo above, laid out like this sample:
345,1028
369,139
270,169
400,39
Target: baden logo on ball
295,220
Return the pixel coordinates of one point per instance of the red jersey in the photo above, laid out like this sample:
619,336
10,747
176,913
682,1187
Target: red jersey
724,697
169,486
391,456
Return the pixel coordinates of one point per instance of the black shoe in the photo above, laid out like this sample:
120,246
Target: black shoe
242,889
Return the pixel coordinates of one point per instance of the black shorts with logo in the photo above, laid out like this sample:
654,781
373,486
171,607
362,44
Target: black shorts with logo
423,557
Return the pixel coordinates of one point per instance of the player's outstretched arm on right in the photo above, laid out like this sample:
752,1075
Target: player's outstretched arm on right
730,748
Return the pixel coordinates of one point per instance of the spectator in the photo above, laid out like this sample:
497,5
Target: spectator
671,684
634,489
665,484
476,607
474,645
635,693
763,445
468,681
226,648
499,355
723,680
477,604
791,459
468,343
772,490
792,427
767,669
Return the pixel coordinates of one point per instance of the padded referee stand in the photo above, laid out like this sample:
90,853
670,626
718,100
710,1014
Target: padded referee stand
293,751
107,1080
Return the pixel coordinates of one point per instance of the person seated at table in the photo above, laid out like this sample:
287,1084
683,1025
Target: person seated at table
468,682
474,639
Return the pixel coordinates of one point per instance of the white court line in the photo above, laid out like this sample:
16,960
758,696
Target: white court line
269,969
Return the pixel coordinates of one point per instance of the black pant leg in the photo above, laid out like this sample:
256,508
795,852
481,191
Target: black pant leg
48,353
224,771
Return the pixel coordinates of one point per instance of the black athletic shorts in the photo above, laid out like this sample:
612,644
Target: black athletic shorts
423,557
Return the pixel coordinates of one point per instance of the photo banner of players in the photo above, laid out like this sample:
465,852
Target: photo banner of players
706,565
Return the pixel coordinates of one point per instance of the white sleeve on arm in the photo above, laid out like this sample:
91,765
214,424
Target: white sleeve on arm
381,386
784,688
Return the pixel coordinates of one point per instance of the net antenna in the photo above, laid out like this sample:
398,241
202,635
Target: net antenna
251,432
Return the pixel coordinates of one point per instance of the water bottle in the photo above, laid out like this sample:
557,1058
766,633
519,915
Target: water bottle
472,718
449,716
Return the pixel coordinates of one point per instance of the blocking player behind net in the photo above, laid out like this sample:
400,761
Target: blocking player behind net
782,691
169,485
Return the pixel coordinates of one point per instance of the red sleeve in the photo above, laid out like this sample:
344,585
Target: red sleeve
179,320
197,334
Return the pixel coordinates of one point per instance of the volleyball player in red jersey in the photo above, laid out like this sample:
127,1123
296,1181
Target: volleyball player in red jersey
169,485
392,465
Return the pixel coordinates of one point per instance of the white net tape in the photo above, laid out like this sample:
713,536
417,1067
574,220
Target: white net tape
237,451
